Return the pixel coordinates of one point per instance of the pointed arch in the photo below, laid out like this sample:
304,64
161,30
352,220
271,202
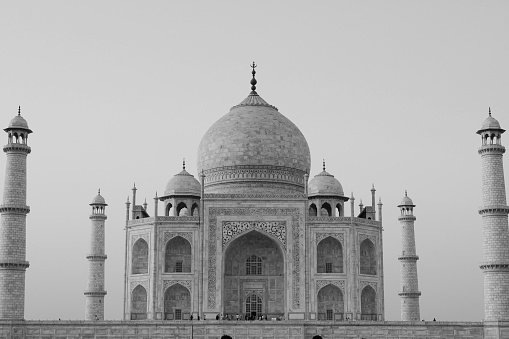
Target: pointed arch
367,258
177,303
331,305
339,210
140,257
167,210
312,210
368,304
180,207
139,303
326,210
195,210
329,258
178,255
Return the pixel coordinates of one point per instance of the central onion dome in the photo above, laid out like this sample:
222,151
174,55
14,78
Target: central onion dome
253,149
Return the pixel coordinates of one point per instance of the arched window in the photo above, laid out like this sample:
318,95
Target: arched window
339,210
180,206
168,209
140,257
177,255
331,305
368,304
329,257
177,303
253,305
139,303
312,210
194,210
326,210
368,258
254,265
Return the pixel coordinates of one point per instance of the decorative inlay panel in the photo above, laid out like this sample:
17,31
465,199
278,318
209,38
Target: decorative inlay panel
323,283
186,283
186,235
363,237
366,283
215,234
143,236
338,236
232,229
135,283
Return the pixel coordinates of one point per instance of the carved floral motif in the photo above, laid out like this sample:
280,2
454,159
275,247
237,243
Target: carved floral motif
366,283
143,236
232,229
135,283
186,283
186,235
322,283
338,236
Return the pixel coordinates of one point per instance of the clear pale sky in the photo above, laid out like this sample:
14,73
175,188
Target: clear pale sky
388,92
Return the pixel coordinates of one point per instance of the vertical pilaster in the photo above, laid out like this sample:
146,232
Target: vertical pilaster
95,292
13,212
494,211
409,292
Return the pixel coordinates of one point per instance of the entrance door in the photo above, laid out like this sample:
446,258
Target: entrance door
254,305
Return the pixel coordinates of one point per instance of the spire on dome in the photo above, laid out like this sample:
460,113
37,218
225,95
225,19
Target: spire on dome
489,111
253,81
19,110
184,164
406,194
324,165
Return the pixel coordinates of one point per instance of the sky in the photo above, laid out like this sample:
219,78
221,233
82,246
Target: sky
389,93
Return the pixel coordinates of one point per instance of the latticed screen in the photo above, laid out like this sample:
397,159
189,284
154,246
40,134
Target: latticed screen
178,314
253,304
178,266
328,267
329,315
254,265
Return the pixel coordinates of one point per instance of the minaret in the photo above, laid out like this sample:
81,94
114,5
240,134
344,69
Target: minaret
13,212
409,292
96,257
494,210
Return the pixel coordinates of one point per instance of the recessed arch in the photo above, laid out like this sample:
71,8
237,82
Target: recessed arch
140,257
368,303
269,285
178,255
195,210
177,303
367,257
167,210
331,305
139,303
329,258
339,210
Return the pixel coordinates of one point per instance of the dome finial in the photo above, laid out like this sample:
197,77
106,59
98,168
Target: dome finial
406,194
19,110
184,164
489,111
99,191
324,165
253,81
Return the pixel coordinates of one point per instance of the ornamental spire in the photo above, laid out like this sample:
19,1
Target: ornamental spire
489,111
253,81
323,165
184,164
19,110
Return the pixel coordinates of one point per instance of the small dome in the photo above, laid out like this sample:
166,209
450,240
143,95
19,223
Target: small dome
406,201
183,183
18,122
98,200
490,123
325,184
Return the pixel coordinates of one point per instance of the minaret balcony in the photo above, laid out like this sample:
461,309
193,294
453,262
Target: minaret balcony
95,293
409,257
21,148
14,209
493,148
504,267
14,265
494,209
410,294
97,257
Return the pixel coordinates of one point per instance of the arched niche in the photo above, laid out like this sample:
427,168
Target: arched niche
329,258
140,257
194,210
177,257
254,252
168,211
367,258
139,303
180,207
368,303
326,210
177,303
331,305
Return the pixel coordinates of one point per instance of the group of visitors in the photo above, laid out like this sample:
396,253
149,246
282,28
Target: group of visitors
245,317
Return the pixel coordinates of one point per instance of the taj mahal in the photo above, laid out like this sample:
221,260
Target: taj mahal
253,236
